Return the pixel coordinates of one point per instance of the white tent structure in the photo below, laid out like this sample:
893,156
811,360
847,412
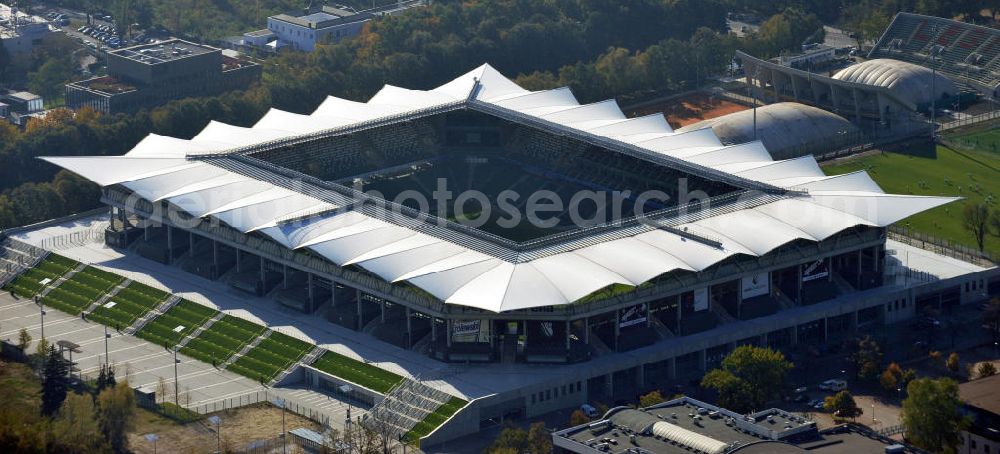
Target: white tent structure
163,168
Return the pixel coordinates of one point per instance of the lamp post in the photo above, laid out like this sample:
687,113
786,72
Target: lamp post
177,401
152,439
218,432
107,360
41,315
284,443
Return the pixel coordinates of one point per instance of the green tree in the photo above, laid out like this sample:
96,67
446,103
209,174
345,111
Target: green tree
76,425
931,414
23,339
976,219
842,404
749,377
54,382
116,414
578,417
515,440
49,79
650,399
868,358
952,363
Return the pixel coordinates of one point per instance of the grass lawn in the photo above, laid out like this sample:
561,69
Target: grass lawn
222,340
356,371
435,419
162,330
77,293
272,356
28,284
971,169
131,303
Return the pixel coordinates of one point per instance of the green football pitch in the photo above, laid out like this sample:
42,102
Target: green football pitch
966,164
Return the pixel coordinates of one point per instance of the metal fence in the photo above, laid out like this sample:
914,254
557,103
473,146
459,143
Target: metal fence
942,247
74,239
260,397
891,430
970,120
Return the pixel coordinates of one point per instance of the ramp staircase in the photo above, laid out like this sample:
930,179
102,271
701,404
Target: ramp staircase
107,296
69,275
403,407
310,358
156,312
842,285
661,330
721,312
246,348
201,329
17,257
783,300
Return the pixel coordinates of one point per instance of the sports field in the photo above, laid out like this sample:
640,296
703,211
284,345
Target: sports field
692,108
967,165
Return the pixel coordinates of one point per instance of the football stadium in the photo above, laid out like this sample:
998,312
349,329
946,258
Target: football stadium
922,70
501,252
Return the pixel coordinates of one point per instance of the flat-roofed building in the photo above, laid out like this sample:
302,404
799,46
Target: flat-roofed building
982,405
20,32
152,74
302,30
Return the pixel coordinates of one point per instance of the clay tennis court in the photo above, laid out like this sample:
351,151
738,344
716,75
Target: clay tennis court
691,109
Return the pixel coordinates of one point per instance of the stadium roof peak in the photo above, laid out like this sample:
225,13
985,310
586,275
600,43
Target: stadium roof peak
215,176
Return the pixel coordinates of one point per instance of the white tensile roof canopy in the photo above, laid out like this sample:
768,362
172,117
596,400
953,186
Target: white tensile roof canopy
163,168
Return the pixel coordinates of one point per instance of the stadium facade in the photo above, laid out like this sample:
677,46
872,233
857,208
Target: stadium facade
769,249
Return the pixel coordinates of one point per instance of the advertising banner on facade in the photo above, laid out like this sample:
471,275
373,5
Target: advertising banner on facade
631,316
757,285
701,300
815,270
470,331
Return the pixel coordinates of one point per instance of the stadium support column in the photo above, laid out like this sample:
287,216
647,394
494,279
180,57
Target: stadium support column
284,276
311,295
703,360
679,311
239,260
409,328
215,255
447,332
170,244
357,300
798,284
145,231
567,335
826,329
795,87
834,98
857,105
191,244
262,271
586,330
381,306
672,368
618,323
861,257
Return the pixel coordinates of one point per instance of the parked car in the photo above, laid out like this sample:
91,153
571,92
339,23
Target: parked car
833,385
589,410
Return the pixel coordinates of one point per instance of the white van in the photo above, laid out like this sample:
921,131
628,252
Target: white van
589,410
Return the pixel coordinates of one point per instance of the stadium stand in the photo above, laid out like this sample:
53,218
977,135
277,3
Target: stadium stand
966,52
